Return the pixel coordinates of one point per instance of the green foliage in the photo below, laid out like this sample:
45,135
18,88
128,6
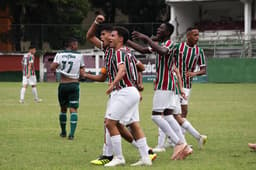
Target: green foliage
137,11
29,132
48,20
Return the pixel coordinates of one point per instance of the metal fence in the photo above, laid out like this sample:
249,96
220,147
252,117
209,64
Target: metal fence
51,37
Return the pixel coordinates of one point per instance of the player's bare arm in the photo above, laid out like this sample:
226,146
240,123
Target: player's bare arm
156,47
29,69
91,34
177,72
120,74
138,47
54,66
198,73
100,78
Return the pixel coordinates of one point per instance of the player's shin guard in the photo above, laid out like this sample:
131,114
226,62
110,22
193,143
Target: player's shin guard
73,123
63,120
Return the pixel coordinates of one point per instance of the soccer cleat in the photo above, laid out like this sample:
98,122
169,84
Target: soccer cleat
158,149
115,162
102,160
143,162
202,141
21,101
252,146
70,137
38,100
63,135
152,155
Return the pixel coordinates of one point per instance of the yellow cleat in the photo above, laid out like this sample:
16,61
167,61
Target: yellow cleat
152,155
102,160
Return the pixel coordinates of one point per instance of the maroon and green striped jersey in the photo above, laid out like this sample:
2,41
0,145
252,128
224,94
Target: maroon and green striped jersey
26,60
186,59
121,56
164,74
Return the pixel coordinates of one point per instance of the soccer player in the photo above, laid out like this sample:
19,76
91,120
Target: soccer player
29,75
125,99
103,44
164,103
187,55
184,123
70,64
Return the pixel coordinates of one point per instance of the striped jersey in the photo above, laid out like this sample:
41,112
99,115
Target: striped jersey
121,56
164,74
27,59
69,63
186,59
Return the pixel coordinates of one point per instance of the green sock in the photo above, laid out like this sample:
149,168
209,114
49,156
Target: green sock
63,120
73,123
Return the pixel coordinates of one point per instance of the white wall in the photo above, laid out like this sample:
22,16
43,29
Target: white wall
187,14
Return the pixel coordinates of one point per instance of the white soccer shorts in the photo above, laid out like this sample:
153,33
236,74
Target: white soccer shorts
123,105
29,81
164,99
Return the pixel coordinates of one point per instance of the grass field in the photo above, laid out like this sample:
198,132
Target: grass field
29,133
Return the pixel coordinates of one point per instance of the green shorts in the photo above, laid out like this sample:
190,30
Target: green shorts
68,95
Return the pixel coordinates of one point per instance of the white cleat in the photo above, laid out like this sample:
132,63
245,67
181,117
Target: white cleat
143,162
21,101
115,162
202,141
157,149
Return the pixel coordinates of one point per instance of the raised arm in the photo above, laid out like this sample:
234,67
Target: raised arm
138,47
155,47
91,34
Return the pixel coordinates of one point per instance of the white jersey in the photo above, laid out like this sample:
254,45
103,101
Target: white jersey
70,63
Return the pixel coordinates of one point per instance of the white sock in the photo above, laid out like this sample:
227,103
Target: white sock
22,93
187,125
117,146
161,138
165,127
143,147
175,126
34,91
134,143
107,147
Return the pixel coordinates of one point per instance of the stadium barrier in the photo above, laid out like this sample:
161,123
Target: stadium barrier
219,70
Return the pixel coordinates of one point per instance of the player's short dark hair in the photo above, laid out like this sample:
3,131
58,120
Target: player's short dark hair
191,28
69,41
169,28
32,46
105,27
122,32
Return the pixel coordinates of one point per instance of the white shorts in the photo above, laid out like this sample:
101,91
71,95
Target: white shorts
178,107
164,99
185,101
29,81
123,105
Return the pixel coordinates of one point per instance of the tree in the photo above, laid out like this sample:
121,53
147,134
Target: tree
139,12
48,20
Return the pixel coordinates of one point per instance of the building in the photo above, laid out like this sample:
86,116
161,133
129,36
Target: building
213,15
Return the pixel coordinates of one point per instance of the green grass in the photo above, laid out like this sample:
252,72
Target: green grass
29,132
